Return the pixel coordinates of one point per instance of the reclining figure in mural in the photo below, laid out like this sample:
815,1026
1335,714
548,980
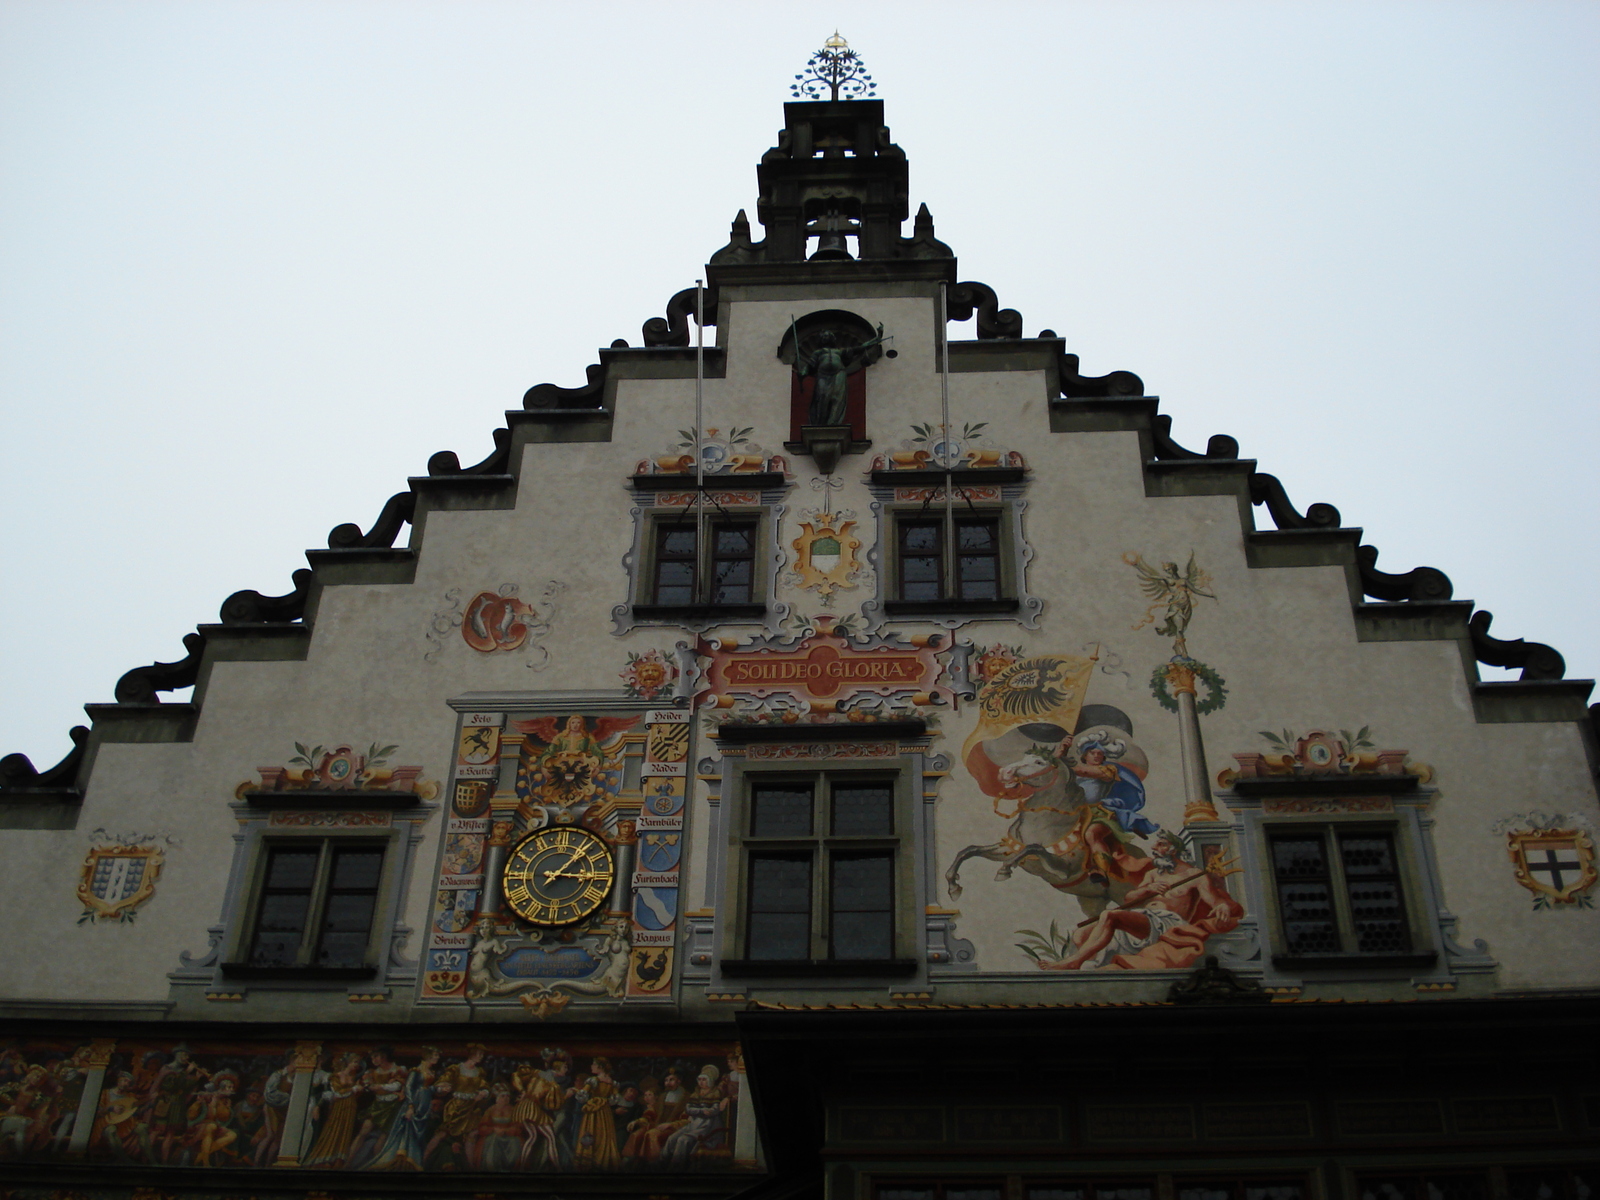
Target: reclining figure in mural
1164,921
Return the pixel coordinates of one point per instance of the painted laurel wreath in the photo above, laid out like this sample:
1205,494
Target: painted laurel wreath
1216,691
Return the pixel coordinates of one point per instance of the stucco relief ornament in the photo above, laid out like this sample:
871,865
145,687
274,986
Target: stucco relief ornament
341,768
118,875
825,553
932,446
723,451
1322,752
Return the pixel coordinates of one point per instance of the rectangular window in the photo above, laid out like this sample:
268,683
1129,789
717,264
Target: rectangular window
976,1190
821,869
316,905
964,566
966,560
1339,892
722,572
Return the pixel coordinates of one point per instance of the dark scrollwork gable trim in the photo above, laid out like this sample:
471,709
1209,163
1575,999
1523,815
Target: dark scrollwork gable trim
18,774
993,321
140,685
1268,489
397,510
447,463
548,395
1537,660
1419,583
674,328
1220,445
252,608
1082,387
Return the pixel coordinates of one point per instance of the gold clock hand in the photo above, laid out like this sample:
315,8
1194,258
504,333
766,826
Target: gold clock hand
549,876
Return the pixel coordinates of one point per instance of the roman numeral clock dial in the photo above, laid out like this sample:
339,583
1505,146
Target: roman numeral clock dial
558,877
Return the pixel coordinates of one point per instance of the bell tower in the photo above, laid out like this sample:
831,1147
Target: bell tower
834,188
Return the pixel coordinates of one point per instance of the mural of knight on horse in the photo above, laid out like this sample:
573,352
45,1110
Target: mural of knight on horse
1074,799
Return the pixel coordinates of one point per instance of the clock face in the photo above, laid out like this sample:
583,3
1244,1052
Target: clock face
558,876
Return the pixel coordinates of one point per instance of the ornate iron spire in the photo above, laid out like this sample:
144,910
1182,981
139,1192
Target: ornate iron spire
837,68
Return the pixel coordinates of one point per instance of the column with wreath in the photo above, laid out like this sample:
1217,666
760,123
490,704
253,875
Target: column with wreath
1186,686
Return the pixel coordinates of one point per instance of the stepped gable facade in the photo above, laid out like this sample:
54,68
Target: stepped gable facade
819,756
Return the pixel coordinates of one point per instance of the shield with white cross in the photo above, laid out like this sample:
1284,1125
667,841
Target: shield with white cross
1556,865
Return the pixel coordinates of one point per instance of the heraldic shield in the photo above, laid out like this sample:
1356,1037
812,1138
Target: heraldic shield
1556,865
117,879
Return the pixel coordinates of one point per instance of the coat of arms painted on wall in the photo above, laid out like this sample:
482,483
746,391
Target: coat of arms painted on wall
1553,856
116,879
496,622
825,553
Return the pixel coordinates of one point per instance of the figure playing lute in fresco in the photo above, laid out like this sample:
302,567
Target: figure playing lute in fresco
830,365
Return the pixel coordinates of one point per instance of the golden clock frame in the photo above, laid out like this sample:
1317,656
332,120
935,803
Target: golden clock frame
530,898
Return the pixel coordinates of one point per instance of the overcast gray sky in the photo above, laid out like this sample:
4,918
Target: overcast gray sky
259,260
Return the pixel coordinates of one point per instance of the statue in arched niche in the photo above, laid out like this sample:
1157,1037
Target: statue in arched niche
830,351
830,363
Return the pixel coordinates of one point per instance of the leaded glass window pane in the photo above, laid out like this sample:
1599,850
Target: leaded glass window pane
1305,895
863,809
780,906
780,810
1376,909
862,906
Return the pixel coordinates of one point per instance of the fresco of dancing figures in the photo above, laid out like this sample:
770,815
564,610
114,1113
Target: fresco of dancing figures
618,775
1068,783
42,1084
525,1106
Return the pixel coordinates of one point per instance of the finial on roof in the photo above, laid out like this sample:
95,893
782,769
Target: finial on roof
837,68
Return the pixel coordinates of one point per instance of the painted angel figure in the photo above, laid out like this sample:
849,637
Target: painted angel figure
831,365
1176,591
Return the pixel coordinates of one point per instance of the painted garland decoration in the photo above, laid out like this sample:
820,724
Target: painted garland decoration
1216,690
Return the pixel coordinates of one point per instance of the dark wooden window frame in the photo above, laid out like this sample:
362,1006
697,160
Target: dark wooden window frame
705,559
305,966
1349,955
953,597
822,848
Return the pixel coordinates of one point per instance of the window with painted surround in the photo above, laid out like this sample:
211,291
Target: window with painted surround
313,910
708,563
821,877
964,564
1340,892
